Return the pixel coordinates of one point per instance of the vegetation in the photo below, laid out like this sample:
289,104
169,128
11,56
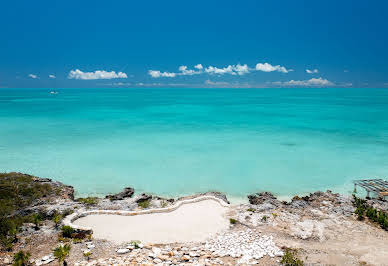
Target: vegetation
17,191
135,243
88,201
251,210
67,231
264,218
21,258
87,255
36,219
290,258
232,221
144,204
57,218
61,253
374,215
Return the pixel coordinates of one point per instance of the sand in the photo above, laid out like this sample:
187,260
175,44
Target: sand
190,222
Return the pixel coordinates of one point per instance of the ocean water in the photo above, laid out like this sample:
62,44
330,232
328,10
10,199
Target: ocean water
181,141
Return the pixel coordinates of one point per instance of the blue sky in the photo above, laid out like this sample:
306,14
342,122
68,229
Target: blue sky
232,43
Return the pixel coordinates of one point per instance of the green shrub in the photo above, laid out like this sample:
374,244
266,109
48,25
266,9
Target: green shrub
264,218
67,231
251,210
232,221
144,204
62,252
21,258
57,218
290,258
88,201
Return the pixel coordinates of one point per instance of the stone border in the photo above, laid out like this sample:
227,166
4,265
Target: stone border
68,220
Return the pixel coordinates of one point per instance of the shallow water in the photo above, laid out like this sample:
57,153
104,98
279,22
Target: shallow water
181,141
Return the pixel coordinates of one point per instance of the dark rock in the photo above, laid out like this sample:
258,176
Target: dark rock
143,197
218,195
126,193
260,198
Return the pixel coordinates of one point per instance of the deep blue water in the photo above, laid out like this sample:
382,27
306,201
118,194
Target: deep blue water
180,141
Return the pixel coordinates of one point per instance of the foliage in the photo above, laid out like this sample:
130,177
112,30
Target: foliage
232,221
17,191
57,218
251,210
144,204
36,219
290,258
88,201
62,252
374,215
135,243
21,258
87,255
67,231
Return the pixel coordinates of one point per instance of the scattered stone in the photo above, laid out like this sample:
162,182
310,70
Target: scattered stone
122,250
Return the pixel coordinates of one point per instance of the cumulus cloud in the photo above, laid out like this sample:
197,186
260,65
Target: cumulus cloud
185,71
314,71
199,66
98,74
231,69
33,76
314,82
51,76
266,67
158,74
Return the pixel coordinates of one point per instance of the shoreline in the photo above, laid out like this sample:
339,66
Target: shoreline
259,230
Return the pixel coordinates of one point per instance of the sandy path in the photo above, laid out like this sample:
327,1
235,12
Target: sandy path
190,222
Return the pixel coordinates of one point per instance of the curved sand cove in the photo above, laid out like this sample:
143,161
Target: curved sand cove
190,222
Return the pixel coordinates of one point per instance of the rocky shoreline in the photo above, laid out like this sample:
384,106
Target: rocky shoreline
321,228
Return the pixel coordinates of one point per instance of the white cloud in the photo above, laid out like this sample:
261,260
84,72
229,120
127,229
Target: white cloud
270,68
184,71
231,69
346,71
98,74
314,82
52,76
314,71
199,66
220,71
158,74
33,76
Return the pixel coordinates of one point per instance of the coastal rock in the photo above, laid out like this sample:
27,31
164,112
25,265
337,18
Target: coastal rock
260,198
143,197
126,193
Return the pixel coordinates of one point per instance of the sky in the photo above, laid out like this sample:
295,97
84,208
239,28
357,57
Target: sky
77,44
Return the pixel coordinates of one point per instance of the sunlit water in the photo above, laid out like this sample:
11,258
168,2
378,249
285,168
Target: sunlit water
181,141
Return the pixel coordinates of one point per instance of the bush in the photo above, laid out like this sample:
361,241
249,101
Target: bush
232,221
88,201
251,210
290,258
67,231
144,204
62,252
21,258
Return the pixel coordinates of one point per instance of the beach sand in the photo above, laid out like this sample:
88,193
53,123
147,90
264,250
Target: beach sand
190,222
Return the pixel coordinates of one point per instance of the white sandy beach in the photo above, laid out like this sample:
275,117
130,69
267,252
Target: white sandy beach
190,222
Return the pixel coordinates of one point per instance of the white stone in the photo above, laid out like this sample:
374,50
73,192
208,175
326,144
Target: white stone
122,251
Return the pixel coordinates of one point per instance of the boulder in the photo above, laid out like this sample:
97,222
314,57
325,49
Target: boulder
143,197
260,198
126,193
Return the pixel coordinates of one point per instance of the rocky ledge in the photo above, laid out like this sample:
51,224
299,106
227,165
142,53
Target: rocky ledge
320,228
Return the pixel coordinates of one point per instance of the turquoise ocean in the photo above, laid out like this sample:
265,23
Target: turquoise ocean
180,141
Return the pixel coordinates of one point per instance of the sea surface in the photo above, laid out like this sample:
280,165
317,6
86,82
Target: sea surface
181,141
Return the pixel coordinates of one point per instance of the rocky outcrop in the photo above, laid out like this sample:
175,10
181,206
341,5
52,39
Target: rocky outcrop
126,193
263,197
143,197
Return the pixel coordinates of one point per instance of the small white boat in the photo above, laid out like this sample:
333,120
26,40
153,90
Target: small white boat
53,92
